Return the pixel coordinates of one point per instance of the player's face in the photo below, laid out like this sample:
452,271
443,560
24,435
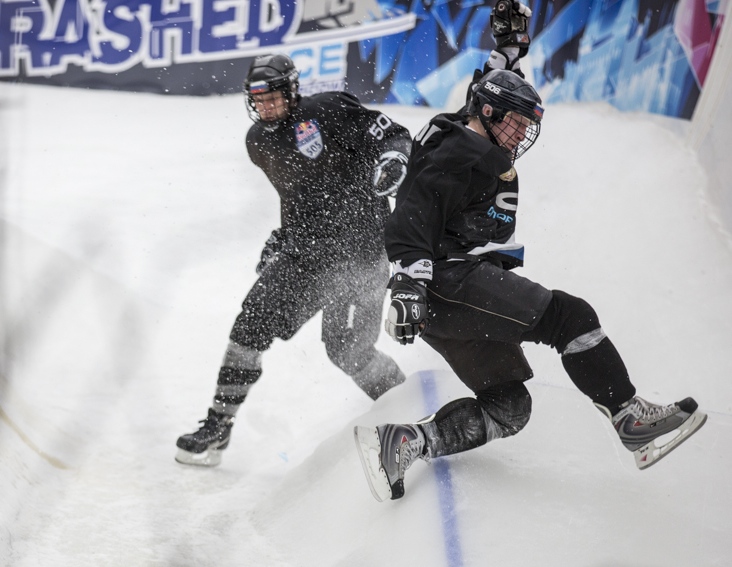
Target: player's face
271,106
511,131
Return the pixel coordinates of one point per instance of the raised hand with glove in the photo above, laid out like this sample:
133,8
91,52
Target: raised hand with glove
509,22
389,173
409,310
510,25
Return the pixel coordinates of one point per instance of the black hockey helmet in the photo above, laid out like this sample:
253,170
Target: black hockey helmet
271,73
506,92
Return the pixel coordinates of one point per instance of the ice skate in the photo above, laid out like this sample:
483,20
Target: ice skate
652,431
386,452
203,448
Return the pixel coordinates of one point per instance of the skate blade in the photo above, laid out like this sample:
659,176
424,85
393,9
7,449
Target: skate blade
651,453
369,451
210,458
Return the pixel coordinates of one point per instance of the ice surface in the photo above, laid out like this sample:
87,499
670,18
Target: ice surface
131,226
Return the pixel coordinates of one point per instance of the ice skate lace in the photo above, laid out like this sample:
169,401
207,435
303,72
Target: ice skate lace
212,424
648,412
410,451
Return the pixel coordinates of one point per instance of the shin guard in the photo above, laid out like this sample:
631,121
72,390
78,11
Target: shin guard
240,369
507,405
458,426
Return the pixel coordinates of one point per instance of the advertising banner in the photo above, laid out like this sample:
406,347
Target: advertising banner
649,55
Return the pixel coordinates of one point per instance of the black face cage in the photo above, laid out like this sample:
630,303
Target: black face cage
498,121
287,84
532,133
504,102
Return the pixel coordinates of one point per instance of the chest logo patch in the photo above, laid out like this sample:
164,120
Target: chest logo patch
308,139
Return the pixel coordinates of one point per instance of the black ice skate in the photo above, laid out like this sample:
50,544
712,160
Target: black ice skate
386,452
204,447
652,431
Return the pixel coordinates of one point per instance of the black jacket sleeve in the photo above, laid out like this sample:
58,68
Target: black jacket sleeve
369,131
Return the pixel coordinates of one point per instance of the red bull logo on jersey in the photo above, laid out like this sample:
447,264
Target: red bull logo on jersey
308,139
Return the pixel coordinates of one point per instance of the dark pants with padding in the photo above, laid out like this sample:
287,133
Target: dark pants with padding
479,316
350,294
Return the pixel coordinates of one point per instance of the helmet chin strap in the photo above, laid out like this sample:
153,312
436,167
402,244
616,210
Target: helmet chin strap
487,122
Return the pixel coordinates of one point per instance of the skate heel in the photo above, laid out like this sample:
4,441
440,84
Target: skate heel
652,452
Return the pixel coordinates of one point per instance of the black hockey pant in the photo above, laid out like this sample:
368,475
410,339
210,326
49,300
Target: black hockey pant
479,316
288,294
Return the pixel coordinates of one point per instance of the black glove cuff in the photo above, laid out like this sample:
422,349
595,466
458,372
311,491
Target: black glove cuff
407,284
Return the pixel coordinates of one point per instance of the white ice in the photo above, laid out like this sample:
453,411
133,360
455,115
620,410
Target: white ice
131,226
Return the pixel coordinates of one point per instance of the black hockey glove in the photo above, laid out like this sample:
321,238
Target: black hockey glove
409,309
509,22
389,173
275,243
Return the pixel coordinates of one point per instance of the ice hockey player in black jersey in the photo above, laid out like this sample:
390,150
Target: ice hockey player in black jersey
451,241
333,163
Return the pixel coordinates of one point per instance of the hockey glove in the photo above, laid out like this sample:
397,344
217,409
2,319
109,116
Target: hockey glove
409,309
389,173
509,22
275,243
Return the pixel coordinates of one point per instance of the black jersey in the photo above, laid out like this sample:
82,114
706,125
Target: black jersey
321,161
459,198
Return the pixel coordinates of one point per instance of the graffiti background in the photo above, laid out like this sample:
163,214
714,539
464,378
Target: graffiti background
640,55
647,55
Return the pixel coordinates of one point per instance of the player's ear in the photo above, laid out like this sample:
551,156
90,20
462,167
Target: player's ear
487,110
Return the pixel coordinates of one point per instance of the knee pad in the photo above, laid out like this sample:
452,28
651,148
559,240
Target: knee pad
256,326
566,319
507,405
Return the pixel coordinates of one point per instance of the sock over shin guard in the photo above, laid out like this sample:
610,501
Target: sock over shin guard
507,405
456,427
572,326
499,411
598,372
240,369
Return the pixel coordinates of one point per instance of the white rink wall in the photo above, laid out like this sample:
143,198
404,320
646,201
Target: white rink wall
710,133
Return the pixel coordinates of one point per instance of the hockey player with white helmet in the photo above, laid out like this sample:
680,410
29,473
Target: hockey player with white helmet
451,241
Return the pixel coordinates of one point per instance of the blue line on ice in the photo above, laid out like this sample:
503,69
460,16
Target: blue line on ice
444,481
